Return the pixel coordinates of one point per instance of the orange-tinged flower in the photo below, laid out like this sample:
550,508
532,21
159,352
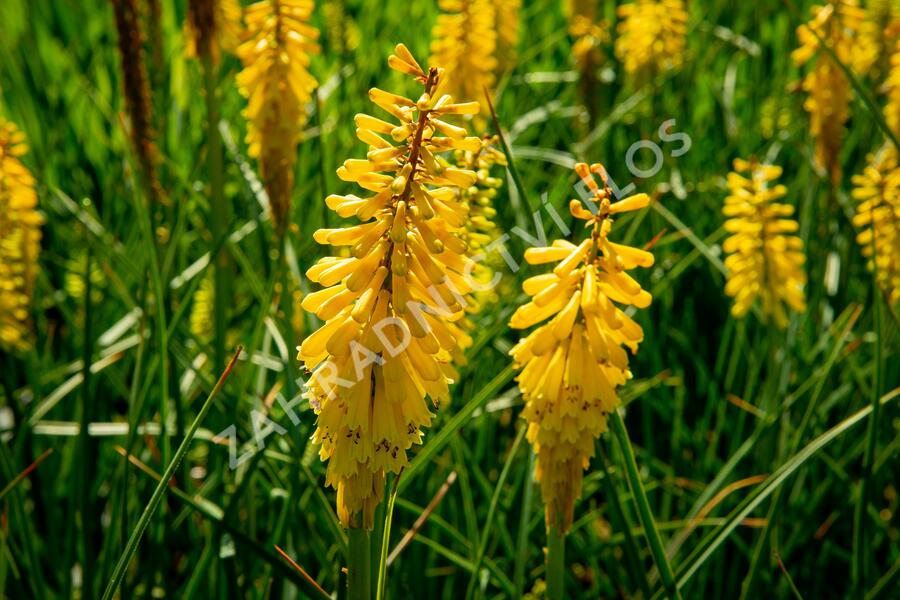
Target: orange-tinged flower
571,365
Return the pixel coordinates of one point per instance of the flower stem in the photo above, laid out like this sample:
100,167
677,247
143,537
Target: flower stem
359,568
556,562
643,506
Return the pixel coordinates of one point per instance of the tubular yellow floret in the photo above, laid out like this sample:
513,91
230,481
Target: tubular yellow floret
839,23
391,308
571,365
278,86
20,240
764,261
651,36
464,44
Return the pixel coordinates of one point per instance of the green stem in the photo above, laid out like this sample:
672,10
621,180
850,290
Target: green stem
643,506
556,563
217,209
359,567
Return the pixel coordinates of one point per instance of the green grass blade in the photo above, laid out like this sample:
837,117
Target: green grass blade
437,442
162,486
717,537
492,511
522,539
640,498
21,476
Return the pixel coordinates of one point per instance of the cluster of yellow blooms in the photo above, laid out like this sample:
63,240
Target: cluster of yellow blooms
464,44
877,190
20,240
278,85
764,261
840,25
391,308
572,364
651,36
221,19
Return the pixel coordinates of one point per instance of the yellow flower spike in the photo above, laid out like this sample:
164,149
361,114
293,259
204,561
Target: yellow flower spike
278,86
651,37
571,364
390,310
839,23
223,22
20,240
762,261
464,43
877,218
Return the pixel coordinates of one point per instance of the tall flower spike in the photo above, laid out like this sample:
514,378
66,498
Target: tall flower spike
839,24
464,43
20,240
651,37
137,94
877,217
573,363
391,306
278,85
219,20
764,261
